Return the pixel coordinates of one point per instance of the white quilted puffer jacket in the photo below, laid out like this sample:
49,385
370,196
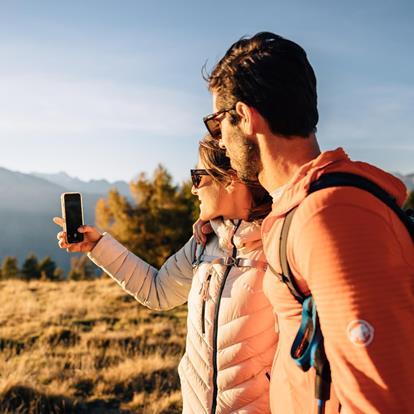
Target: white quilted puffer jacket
232,332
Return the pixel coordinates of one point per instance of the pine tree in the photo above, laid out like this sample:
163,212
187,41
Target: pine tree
10,268
47,269
30,268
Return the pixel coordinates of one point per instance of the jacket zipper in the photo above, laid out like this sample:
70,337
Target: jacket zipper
204,293
215,326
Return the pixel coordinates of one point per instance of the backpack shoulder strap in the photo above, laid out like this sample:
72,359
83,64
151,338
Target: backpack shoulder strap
197,254
339,179
286,276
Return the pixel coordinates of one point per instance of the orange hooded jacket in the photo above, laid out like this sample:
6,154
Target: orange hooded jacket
356,258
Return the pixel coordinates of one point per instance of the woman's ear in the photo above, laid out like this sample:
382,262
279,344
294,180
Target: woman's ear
248,118
230,187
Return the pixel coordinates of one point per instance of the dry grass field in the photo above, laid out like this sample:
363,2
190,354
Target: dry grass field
86,347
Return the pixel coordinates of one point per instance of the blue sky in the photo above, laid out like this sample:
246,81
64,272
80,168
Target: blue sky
108,89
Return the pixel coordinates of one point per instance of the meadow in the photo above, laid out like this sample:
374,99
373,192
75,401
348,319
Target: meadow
86,347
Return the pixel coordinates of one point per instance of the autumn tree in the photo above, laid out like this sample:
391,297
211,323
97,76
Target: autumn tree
58,274
10,268
156,223
82,269
191,202
409,204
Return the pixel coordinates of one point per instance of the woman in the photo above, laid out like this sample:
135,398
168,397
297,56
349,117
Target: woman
231,336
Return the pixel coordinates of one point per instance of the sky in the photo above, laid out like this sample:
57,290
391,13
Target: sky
110,89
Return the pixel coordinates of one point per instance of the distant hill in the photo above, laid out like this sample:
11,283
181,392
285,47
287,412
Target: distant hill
408,180
27,206
93,186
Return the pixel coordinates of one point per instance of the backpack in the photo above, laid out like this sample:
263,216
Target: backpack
308,348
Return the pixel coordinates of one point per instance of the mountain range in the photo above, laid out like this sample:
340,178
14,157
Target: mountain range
28,202
91,187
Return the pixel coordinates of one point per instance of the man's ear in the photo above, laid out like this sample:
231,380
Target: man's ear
248,118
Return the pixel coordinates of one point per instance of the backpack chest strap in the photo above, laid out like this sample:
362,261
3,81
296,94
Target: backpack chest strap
236,262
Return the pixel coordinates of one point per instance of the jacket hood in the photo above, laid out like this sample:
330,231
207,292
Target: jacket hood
335,161
246,238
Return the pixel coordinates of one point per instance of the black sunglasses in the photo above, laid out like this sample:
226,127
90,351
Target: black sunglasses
196,176
212,122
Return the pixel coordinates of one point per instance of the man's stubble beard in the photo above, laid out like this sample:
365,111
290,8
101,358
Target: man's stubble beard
246,160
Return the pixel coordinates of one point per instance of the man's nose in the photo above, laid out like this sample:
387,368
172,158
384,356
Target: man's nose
193,190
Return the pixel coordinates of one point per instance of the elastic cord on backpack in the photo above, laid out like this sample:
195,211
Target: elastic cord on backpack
308,351
308,338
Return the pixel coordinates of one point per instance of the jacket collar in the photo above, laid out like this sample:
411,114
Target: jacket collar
333,161
246,235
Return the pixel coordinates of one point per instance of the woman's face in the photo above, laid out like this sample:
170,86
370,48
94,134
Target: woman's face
217,199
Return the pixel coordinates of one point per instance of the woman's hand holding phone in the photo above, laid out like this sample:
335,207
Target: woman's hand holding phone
91,237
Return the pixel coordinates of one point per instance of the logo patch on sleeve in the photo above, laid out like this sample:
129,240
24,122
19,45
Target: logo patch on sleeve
360,332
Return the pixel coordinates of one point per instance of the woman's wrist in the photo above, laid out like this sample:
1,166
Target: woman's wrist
96,242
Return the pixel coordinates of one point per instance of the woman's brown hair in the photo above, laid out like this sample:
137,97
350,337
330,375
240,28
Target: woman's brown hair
218,166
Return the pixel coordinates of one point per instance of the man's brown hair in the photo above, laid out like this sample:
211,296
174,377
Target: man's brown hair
272,75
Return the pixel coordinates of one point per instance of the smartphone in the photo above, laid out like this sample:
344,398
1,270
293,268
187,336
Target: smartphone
72,212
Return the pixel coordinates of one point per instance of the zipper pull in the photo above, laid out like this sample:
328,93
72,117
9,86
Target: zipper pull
205,287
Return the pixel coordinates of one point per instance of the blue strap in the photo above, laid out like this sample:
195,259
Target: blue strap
308,351
308,338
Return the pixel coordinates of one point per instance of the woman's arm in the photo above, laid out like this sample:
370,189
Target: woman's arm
158,289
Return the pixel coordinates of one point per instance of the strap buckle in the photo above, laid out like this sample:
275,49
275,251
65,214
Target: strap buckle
230,261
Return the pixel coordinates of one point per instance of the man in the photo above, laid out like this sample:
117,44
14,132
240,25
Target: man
345,247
